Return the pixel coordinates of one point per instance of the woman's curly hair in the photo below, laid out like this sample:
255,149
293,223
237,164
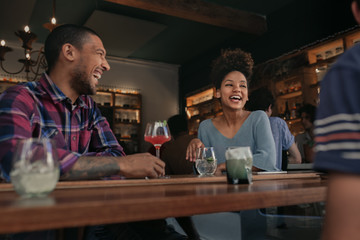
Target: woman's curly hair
231,60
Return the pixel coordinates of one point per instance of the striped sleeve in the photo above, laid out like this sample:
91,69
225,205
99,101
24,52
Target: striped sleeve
337,125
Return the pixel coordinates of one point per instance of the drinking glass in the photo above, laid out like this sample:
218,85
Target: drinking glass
206,162
157,133
35,168
239,162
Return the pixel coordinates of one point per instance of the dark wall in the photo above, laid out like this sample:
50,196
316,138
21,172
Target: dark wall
295,26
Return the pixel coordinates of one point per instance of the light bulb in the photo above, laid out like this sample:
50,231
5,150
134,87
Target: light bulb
53,20
27,56
2,43
26,28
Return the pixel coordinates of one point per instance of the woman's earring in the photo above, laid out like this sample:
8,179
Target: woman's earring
217,95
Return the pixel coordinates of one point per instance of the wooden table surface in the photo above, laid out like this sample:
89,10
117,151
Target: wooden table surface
81,203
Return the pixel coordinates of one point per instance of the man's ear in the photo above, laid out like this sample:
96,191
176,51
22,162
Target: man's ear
68,51
356,11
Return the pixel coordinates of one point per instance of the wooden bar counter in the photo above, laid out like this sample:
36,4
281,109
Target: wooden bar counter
81,203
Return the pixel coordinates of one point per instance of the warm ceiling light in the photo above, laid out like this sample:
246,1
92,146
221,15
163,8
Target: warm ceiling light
27,37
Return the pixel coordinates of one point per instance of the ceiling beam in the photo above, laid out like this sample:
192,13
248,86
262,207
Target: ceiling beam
204,12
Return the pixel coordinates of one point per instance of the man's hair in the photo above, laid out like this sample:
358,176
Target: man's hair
178,124
358,2
260,99
231,60
67,33
310,110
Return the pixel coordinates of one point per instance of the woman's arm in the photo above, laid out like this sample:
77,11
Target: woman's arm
191,149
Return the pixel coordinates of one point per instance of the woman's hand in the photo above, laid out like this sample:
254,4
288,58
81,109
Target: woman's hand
191,149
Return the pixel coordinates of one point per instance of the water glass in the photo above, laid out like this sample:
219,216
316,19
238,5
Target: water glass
239,162
206,162
35,168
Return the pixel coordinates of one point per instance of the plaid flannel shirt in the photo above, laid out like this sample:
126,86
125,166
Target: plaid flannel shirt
41,110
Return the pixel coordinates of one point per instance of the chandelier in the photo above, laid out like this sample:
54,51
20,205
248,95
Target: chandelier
34,62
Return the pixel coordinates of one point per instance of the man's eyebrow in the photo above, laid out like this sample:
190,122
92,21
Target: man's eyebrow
101,50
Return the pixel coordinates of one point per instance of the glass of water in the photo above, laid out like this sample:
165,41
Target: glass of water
205,161
35,168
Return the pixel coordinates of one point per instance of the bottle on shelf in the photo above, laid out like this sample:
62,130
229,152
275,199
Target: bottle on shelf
287,111
293,112
298,106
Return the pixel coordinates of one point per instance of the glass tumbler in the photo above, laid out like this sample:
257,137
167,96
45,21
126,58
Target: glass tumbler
35,167
206,162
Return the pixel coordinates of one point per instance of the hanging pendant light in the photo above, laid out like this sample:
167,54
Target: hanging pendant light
32,68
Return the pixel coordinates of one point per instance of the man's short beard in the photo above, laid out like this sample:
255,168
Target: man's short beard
81,83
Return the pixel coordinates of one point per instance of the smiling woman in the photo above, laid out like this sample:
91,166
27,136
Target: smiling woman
236,127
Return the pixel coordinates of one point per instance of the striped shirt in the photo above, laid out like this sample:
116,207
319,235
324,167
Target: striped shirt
337,124
41,110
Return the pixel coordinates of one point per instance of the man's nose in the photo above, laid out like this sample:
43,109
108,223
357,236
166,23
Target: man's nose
105,65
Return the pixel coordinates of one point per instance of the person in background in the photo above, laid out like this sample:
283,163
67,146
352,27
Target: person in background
231,73
337,137
305,141
174,151
58,106
174,155
262,99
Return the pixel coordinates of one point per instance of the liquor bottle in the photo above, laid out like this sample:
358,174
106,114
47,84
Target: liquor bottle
293,112
298,106
287,111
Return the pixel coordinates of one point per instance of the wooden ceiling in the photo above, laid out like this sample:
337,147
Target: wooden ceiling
203,12
184,32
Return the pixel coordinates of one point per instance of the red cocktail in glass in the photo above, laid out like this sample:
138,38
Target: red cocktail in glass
157,133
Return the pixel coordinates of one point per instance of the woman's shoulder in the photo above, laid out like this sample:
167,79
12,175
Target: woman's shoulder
258,114
205,123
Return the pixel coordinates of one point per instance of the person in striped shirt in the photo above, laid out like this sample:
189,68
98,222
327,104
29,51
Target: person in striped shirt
337,142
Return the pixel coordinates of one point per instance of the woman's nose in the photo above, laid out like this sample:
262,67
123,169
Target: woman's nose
236,88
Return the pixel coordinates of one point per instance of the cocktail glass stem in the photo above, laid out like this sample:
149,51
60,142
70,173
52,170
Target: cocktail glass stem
157,147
